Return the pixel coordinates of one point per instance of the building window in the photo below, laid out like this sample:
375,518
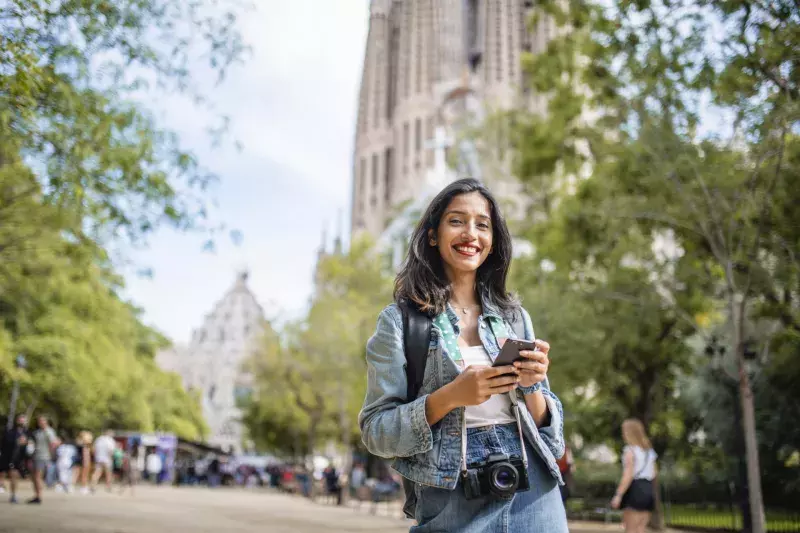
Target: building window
429,134
388,170
418,32
408,26
417,135
374,173
473,35
362,178
394,51
379,79
498,25
511,48
406,143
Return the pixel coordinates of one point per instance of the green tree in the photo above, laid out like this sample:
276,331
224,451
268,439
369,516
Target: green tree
628,83
83,168
69,73
309,379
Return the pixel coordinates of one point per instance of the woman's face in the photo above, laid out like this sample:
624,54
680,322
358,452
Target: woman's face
465,234
626,434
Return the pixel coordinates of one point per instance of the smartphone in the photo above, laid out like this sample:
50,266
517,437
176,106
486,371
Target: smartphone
510,352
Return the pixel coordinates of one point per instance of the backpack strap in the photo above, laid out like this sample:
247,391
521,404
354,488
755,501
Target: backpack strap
416,343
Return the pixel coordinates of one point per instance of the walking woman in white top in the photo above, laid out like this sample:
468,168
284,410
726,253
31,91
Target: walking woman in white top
635,494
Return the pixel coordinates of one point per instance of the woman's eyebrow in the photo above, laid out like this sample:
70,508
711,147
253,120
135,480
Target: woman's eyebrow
464,213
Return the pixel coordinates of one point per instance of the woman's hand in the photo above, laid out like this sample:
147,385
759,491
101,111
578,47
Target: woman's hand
534,369
616,501
476,384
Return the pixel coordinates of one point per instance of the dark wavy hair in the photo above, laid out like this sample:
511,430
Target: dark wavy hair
422,279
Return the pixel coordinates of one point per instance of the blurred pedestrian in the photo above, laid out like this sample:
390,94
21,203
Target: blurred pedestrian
117,460
332,485
104,447
357,478
12,454
130,470
83,460
635,494
45,442
154,465
65,459
566,467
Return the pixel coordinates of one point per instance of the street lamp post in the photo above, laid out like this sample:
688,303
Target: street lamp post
20,363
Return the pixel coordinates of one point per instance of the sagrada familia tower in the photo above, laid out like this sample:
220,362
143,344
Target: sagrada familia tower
429,63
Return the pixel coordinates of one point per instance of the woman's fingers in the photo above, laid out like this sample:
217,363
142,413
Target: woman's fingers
501,381
543,346
531,366
504,389
490,372
534,355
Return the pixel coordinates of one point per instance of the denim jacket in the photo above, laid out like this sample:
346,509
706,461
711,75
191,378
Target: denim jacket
393,428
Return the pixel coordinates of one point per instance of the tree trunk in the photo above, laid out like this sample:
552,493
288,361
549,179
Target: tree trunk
751,444
657,520
741,494
312,442
738,313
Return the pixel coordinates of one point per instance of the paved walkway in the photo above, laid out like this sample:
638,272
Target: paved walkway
199,510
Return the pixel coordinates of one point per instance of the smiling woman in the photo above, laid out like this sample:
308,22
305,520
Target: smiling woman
464,214
478,444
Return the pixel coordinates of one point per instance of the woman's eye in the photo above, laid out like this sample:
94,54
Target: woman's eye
483,225
455,221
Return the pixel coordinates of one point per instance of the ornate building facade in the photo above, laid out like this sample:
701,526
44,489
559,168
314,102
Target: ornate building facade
427,65
212,362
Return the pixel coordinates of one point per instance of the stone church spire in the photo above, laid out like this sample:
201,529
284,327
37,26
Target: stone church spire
418,52
212,363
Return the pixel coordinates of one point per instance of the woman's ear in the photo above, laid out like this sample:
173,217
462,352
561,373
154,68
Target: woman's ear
431,237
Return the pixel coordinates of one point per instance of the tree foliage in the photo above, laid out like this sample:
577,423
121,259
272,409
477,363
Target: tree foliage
310,379
70,71
85,168
658,226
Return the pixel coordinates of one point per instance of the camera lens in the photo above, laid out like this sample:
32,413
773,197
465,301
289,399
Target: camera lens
504,479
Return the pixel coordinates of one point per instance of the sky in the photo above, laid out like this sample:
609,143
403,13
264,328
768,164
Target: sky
293,106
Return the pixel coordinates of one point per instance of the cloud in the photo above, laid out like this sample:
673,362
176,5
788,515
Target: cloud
293,105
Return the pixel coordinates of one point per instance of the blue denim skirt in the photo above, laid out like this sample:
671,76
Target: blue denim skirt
537,510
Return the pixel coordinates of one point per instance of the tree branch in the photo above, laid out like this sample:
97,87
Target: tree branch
766,204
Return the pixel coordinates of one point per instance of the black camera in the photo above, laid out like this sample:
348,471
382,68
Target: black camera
499,474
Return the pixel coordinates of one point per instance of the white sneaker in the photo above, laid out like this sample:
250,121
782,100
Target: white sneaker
84,490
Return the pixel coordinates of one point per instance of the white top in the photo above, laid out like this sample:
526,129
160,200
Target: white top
494,411
103,447
65,454
153,464
644,462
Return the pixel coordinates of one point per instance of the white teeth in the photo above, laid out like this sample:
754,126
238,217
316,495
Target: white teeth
466,249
